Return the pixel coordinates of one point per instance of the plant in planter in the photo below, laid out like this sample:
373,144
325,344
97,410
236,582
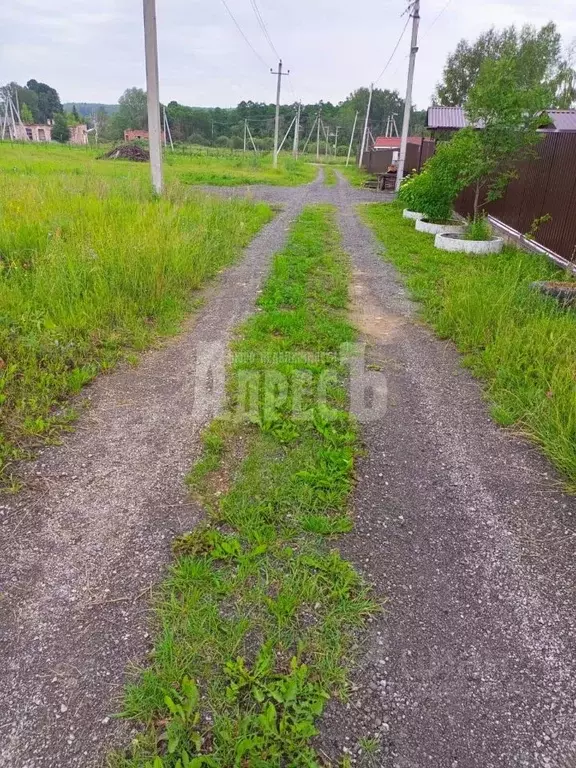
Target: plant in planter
411,195
436,189
506,107
478,229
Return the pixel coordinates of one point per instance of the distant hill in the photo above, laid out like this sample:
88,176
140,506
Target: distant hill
86,109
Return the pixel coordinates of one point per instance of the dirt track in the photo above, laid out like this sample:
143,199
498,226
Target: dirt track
459,524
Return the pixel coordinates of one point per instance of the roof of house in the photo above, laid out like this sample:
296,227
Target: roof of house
454,118
393,142
563,119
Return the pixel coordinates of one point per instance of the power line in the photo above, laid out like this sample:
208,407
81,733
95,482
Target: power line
239,28
435,20
394,51
263,27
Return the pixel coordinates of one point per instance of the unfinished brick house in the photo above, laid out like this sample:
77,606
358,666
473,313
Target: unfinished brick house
138,135
41,133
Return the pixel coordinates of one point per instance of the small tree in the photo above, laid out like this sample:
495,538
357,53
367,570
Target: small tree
60,129
507,111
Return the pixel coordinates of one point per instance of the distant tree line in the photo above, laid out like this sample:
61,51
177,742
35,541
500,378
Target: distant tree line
225,127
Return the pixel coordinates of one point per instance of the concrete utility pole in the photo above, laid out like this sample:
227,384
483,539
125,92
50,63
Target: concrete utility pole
297,131
245,134
336,141
318,136
352,138
153,94
365,133
415,13
277,122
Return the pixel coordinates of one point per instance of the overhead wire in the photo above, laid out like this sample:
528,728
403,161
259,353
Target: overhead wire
263,27
239,28
393,52
435,20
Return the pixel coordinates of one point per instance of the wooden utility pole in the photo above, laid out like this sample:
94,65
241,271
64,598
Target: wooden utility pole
415,13
153,94
277,121
365,133
336,141
245,134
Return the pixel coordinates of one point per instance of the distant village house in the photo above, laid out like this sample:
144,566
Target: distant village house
138,135
41,133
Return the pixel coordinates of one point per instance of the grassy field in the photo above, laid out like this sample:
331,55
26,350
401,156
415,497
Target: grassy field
521,343
91,267
256,622
224,168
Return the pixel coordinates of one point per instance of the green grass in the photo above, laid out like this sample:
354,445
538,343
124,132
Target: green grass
91,267
521,343
255,625
224,168
356,176
330,178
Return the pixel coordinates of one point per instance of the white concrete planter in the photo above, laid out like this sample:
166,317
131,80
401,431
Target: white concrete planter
449,241
412,214
434,229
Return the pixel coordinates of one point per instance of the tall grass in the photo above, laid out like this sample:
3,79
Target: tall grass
91,266
521,343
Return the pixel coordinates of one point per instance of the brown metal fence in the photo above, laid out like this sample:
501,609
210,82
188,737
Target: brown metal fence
378,160
546,185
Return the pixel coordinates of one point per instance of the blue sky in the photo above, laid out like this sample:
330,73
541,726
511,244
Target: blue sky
92,51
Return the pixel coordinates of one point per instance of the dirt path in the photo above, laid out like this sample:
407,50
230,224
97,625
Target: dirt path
460,524
82,547
464,529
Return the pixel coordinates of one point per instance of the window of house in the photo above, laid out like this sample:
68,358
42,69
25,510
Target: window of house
41,134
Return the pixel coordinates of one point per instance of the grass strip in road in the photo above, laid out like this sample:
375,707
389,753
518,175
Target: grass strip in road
355,176
93,268
330,178
256,622
520,342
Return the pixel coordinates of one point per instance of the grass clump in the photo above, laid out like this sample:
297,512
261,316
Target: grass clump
478,229
521,343
91,267
255,625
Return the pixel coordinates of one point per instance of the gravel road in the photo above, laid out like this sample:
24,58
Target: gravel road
81,547
464,529
460,525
